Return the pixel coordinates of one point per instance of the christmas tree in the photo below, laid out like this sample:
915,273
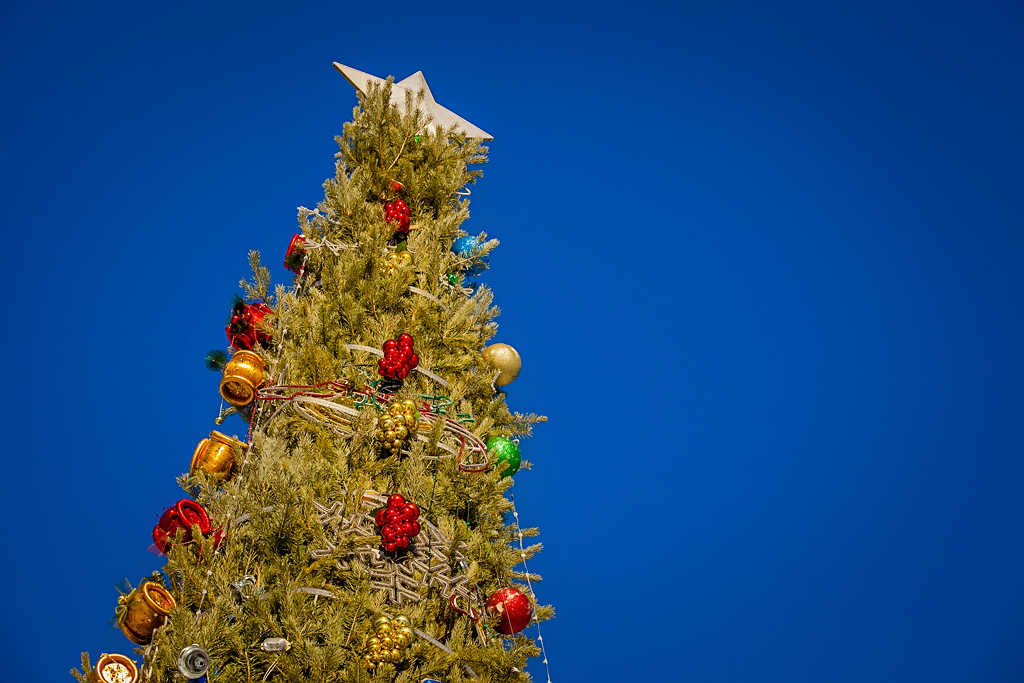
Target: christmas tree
362,526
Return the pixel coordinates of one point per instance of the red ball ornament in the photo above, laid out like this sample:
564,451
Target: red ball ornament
405,339
380,517
513,607
411,512
390,547
390,345
402,542
396,186
395,500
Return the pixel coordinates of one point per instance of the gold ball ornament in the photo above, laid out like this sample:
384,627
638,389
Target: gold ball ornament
242,376
145,610
506,360
215,456
395,262
114,668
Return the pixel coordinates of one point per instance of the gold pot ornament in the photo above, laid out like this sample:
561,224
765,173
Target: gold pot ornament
143,611
242,376
114,669
215,456
506,360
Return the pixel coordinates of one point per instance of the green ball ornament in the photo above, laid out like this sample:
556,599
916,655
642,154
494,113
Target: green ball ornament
453,279
506,451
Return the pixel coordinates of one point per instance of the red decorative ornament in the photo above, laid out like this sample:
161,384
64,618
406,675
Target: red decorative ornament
399,358
397,212
396,186
513,607
398,522
183,515
296,254
243,330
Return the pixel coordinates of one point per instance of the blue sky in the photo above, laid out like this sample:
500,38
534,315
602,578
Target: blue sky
762,262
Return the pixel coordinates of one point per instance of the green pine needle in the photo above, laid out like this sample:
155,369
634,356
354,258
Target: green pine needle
216,360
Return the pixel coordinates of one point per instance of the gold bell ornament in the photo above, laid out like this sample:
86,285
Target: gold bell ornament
215,456
396,425
143,611
396,261
114,668
393,636
242,376
506,360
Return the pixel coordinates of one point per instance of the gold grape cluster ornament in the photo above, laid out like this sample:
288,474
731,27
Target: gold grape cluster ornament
396,425
393,636
397,261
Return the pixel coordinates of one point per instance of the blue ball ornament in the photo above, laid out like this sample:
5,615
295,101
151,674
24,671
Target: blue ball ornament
466,247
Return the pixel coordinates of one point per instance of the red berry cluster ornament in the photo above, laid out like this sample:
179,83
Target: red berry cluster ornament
398,522
397,212
243,330
183,515
399,359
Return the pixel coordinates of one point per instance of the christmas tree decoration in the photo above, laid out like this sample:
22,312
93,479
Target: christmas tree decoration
466,248
399,358
244,588
398,523
193,662
396,262
319,563
506,360
243,374
397,212
393,636
143,611
216,456
182,515
512,607
295,257
505,451
364,83
243,330
114,668
275,645
396,426
424,566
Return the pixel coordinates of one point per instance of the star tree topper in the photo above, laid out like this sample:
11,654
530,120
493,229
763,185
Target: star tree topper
414,84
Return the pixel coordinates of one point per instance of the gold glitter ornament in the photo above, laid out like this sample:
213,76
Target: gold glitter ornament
506,360
114,668
242,376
